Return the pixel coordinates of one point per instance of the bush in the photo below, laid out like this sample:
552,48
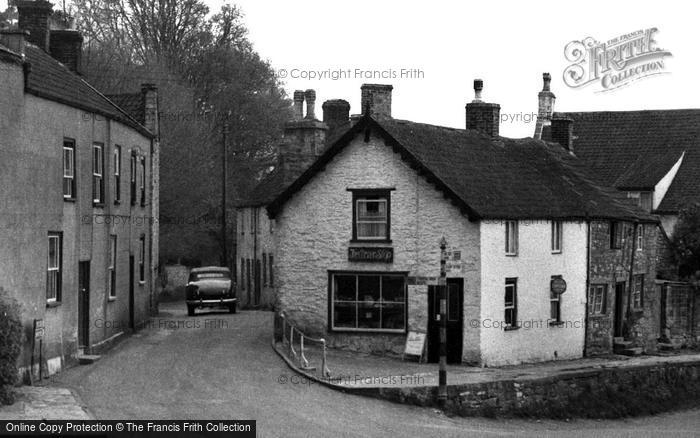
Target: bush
10,345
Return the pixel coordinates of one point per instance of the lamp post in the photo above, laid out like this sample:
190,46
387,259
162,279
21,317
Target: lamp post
442,291
224,171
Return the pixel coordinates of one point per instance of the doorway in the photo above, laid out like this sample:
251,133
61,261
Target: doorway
619,308
84,305
455,317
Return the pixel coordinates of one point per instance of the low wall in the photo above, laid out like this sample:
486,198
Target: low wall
605,393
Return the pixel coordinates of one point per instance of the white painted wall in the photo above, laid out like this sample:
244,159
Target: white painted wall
533,267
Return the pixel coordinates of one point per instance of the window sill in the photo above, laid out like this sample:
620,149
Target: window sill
142,282
98,205
111,299
511,328
556,252
556,323
51,304
69,200
512,255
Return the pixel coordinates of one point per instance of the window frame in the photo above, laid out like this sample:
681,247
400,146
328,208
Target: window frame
112,268
639,244
357,274
142,259
637,305
557,237
142,181
593,290
58,268
554,297
510,282
98,171
69,145
117,173
511,233
133,167
359,195
617,234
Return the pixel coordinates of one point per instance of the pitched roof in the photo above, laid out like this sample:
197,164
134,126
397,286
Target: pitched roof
489,178
633,150
131,103
51,80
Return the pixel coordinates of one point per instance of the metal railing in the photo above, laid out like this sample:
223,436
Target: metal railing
288,335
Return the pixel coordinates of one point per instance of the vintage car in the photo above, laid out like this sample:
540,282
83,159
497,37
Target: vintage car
210,286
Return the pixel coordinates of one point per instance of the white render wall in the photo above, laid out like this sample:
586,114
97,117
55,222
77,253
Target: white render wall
314,229
533,267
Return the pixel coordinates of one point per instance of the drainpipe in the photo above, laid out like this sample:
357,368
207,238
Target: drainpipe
631,276
588,282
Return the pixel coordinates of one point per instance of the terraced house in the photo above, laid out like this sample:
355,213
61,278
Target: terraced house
356,238
79,188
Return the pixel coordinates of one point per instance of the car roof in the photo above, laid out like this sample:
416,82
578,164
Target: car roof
210,269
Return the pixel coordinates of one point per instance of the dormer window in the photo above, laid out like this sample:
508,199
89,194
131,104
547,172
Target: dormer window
371,215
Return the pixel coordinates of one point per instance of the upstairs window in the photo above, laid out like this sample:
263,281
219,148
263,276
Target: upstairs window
597,298
117,166
616,235
371,212
640,237
143,181
643,199
142,258
68,169
98,165
132,178
511,238
557,236
112,266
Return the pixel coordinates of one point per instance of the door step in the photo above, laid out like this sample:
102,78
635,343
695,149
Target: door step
634,351
87,359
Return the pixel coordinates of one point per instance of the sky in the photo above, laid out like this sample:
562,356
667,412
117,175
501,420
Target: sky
440,47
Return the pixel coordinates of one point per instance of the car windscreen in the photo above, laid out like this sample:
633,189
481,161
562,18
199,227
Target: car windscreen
205,275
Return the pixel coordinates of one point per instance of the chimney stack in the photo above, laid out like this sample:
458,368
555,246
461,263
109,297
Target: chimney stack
14,39
34,16
481,116
545,106
563,132
376,100
66,46
149,92
305,137
336,113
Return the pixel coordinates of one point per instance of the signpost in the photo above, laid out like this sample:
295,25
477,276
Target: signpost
557,285
442,289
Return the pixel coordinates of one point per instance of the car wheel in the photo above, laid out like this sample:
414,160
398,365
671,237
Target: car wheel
190,310
232,308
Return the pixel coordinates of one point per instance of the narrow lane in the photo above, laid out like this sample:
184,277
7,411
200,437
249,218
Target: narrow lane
221,366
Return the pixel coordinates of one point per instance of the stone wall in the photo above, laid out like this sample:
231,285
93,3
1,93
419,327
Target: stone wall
601,393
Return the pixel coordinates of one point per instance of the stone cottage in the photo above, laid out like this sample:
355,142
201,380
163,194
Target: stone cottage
356,238
79,181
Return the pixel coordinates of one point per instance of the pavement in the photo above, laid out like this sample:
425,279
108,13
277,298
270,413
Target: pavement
45,403
217,365
355,370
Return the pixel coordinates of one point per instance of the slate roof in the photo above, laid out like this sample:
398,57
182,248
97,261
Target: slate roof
489,178
633,150
131,103
49,79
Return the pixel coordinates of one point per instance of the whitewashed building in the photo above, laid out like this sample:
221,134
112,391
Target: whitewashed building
356,238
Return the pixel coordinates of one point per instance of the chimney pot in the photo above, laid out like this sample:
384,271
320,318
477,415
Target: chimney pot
376,100
478,87
545,106
298,112
310,96
546,79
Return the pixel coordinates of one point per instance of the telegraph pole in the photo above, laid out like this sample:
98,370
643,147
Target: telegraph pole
224,259
442,290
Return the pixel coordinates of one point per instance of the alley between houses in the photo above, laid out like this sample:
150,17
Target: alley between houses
224,367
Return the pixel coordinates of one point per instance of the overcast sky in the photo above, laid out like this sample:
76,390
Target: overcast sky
507,44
